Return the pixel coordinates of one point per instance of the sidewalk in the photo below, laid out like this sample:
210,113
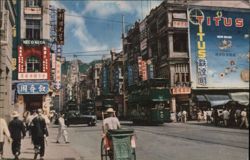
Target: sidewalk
53,151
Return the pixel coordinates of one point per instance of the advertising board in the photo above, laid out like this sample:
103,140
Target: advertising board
219,48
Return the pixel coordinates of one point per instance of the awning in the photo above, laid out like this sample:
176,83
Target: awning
240,97
201,98
217,100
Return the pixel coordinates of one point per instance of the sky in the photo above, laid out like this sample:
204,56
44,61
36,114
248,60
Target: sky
96,25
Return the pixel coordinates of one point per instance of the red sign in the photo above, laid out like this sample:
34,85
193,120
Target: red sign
144,71
181,90
42,53
180,24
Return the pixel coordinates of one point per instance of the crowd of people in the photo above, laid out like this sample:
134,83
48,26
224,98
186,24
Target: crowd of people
235,117
35,124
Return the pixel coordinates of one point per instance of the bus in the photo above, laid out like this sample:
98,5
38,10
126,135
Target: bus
148,101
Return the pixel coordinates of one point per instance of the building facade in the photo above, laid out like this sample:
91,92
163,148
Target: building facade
7,32
163,40
33,57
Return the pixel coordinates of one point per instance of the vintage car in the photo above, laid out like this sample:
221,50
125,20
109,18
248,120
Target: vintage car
75,117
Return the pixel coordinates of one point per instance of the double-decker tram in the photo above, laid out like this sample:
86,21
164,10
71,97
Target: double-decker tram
148,101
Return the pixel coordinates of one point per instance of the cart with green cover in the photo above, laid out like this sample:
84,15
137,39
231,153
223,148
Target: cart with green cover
122,145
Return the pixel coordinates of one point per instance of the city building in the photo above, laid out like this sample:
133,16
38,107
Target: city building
162,46
7,32
33,56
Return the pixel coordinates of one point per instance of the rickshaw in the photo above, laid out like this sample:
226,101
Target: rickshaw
122,145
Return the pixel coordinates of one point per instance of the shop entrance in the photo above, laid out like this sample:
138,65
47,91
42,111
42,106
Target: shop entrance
33,102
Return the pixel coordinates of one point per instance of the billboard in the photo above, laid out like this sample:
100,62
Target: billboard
219,48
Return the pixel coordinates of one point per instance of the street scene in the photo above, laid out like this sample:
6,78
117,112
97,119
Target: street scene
124,80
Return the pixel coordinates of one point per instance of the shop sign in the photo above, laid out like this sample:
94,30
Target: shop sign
60,26
181,90
32,88
144,71
180,24
35,75
33,42
32,10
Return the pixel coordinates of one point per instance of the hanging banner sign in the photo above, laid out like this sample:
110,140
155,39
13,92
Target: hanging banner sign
32,88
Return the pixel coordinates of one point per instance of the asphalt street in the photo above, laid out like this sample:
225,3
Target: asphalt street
171,141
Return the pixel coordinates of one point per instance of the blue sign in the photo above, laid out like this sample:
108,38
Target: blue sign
32,88
219,48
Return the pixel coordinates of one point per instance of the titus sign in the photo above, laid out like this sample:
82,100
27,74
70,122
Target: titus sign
219,48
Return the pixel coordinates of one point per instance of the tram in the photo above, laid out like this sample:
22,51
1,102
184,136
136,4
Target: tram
148,102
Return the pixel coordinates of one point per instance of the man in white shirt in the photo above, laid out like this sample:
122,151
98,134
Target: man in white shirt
244,119
62,129
111,122
225,114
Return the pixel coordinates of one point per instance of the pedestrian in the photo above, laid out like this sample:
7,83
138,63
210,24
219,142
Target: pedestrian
17,132
4,131
39,133
179,116
29,120
62,131
109,123
184,116
215,116
244,120
225,115
238,116
205,115
199,115
209,114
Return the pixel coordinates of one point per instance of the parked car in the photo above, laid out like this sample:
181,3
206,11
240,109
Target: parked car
75,117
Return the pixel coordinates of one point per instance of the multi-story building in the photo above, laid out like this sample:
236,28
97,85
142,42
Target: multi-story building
164,44
7,24
116,83
33,81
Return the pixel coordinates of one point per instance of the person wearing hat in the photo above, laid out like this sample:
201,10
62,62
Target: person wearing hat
4,131
109,123
17,131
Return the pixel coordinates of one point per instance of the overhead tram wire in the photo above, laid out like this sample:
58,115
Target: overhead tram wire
106,50
95,18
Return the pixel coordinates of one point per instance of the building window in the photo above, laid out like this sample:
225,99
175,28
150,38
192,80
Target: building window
32,29
181,77
180,42
33,64
33,3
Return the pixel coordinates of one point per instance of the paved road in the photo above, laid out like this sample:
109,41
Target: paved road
171,141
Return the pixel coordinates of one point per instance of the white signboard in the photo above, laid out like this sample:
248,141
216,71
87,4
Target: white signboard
32,10
37,75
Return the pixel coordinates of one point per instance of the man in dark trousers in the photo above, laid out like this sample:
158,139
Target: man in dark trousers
39,133
17,131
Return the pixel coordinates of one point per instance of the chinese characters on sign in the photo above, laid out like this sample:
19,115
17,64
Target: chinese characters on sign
32,88
181,90
60,26
35,75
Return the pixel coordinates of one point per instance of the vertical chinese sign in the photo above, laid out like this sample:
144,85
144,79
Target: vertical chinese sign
60,26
